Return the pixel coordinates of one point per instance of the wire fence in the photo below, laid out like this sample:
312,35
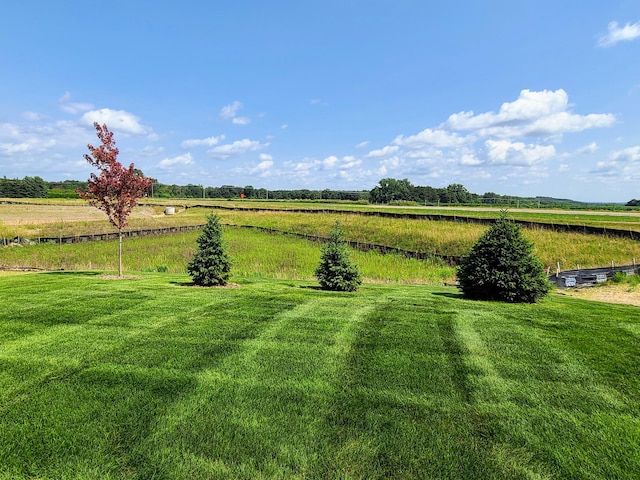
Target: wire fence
587,277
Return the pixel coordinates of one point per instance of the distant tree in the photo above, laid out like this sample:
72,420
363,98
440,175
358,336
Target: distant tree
391,189
116,189
501,266
633,203
210,265
336,271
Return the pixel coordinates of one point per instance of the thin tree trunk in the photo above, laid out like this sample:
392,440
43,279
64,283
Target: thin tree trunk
119,253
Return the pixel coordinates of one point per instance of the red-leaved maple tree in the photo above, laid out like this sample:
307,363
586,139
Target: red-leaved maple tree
115,189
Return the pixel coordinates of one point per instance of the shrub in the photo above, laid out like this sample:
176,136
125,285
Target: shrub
336,271
501,266
210,265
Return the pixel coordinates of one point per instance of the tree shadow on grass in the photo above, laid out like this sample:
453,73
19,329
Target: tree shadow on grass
213,287
457,295
74,273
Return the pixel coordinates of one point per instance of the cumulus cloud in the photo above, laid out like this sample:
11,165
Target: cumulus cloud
533,114
349,162
438,138
330,161
262,167
617,34
38,138
331,167
117,120
9,149
504,152
236,148
620,166
591,148
383,152
470,160
204,142
631,154
169,163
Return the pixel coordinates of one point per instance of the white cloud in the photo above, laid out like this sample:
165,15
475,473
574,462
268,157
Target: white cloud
363,144
540,114
591,148
265,157
204,142
284,126
438,138
241,121
169,163
116,120
72,107
152,150
21,139
470,160
230,111
236,148
383,152
262,167
349,162
631,154
618,34
504,152
330,161
9,149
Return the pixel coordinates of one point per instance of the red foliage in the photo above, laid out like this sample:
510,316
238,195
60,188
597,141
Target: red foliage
115,189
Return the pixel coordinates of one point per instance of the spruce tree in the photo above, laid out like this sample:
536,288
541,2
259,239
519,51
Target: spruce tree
336,271
502,266
211,264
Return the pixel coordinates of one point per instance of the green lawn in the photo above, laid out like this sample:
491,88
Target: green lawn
152,378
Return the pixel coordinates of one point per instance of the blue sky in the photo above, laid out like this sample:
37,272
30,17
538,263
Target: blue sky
525,98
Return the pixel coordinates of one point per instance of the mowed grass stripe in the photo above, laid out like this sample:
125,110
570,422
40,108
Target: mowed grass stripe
281,380
263,405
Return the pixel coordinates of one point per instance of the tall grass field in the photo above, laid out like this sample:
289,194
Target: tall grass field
568,250
151,377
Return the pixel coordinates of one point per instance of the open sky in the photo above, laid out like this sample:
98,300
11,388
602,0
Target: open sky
514,97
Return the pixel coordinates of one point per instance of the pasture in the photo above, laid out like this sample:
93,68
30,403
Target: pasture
152,378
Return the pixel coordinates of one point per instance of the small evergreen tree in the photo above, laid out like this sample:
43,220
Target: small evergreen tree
336,271
501,266
210,265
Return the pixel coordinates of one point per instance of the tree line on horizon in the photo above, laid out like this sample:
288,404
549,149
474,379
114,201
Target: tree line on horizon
388,191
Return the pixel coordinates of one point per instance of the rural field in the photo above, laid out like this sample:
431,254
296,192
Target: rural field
570,250
151,377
